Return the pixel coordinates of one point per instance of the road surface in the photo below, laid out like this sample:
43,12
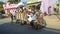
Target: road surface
6,27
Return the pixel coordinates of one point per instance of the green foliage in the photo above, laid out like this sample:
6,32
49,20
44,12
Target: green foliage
1,9
14,1
11,1
1,6
1,2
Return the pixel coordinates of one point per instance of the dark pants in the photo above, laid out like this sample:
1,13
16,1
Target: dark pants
12,18
32,23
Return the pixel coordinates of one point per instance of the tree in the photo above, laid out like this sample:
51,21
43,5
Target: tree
14,1
1,6
11,1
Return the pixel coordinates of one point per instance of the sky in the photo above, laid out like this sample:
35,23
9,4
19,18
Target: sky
4,0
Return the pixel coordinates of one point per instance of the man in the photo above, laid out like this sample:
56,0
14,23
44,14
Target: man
12,13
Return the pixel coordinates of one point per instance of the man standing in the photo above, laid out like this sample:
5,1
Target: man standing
12,13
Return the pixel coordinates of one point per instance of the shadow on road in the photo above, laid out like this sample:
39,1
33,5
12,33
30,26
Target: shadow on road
9,28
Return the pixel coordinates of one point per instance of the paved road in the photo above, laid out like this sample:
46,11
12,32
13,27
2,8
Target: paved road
8,28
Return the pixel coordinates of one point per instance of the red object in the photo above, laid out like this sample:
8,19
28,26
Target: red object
24,12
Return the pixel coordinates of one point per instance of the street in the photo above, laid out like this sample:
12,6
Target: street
6,27
9,28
